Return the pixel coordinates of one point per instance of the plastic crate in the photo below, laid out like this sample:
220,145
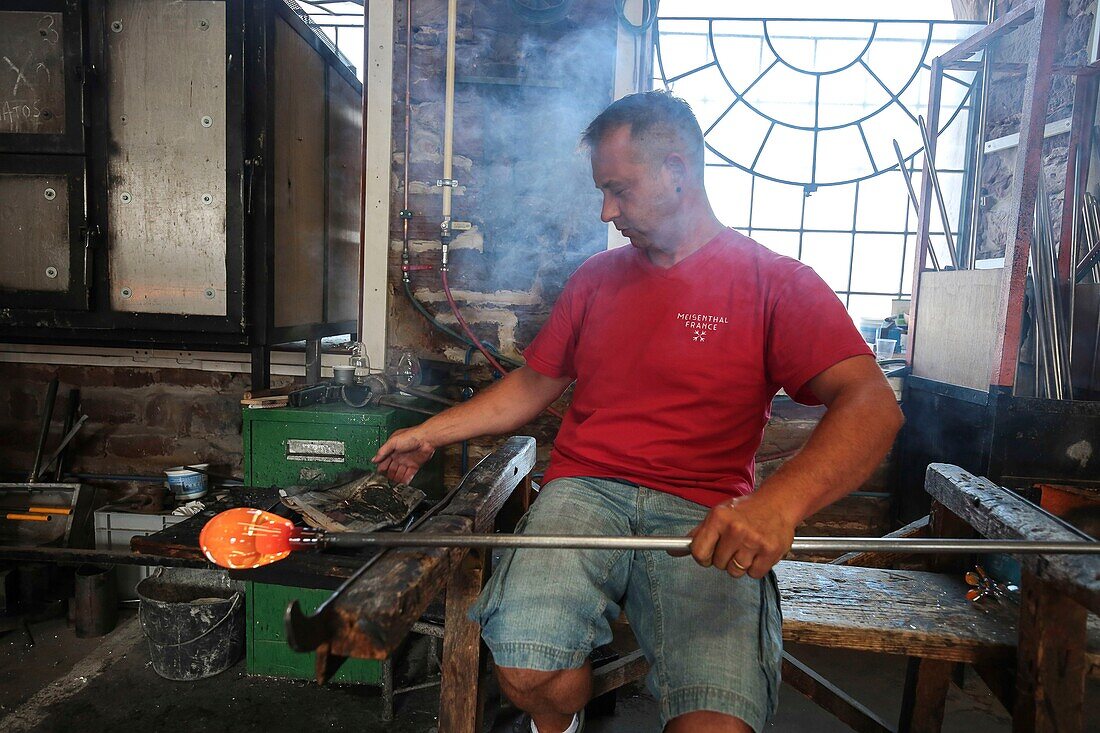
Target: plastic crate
113,531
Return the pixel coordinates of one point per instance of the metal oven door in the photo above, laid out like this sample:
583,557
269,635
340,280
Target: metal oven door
44,261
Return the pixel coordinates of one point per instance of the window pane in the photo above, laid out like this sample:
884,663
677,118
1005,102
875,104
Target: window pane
876,262
876,307
859,92
882,203
831,207
776,205
829,255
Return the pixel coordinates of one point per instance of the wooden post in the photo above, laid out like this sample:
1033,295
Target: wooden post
1025,180
1050,675
925,695
942,522
460,696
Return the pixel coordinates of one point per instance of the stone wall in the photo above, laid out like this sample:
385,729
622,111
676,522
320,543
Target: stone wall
1004,107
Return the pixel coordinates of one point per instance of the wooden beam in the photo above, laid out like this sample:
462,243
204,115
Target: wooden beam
371,617
492,481
1025,181
374,613
916,528
1050,672
997,513
615,674
831,699
461,691
925,695
906,612
1010,20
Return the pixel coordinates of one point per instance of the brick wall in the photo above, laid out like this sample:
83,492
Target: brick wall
140,421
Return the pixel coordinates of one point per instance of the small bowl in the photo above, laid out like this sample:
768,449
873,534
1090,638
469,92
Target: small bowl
186,484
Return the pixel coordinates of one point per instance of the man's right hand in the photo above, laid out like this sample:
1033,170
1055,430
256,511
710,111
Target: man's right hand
403,454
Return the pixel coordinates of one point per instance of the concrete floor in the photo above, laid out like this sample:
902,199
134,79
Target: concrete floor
109,685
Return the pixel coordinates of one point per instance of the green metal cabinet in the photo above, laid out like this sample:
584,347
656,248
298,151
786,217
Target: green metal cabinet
311,445
289,446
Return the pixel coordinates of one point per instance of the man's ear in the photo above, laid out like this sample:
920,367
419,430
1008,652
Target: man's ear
677,168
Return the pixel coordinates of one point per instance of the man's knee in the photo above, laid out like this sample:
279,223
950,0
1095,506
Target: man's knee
706,721
527,681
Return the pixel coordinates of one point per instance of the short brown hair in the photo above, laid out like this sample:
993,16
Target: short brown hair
655,117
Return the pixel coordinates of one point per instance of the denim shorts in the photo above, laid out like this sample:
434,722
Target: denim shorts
714,642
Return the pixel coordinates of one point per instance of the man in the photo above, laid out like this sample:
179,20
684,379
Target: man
677,345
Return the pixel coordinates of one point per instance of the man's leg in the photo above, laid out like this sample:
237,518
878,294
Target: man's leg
543,611
714,641
550,698
704,721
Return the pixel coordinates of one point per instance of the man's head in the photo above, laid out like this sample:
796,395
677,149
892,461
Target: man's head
647,159
659,125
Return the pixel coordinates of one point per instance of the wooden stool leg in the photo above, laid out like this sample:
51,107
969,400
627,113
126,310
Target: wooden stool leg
1050,673
460,692
925,695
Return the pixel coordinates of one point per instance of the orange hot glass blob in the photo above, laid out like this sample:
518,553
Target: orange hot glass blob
245,538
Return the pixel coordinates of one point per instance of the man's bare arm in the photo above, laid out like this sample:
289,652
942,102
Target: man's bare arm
857,431
513,401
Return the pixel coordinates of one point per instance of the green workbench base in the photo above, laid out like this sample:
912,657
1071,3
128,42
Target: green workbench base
268,653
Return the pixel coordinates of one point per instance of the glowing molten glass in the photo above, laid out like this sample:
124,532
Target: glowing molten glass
246,538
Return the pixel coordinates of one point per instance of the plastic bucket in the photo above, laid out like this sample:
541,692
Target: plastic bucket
185,483
193,621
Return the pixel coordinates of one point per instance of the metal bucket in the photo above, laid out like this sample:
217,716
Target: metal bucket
96,600
193,621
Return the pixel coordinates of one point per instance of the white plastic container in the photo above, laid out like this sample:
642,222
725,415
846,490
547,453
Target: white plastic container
113,531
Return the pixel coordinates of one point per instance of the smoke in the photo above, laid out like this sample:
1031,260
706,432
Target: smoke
531,95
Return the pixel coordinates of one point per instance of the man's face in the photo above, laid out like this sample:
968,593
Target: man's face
638,194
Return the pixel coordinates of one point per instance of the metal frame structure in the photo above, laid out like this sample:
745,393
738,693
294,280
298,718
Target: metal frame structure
1015,440
250,267
1045,14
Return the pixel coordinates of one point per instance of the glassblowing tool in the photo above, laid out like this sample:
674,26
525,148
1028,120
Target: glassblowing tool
245,538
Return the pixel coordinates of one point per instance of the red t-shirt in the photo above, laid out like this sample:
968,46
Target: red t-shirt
676,368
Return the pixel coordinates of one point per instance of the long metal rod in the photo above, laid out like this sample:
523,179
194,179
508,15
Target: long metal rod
61,447
44,431
916,204
935,177
1055,304
801,544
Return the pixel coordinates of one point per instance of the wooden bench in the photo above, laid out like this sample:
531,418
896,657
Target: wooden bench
1037,652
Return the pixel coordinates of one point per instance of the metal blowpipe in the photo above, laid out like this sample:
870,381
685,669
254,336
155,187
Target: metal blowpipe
250,538
800,544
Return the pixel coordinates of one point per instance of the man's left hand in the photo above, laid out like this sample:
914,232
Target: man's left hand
743,536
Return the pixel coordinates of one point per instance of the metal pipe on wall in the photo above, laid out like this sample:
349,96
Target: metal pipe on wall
449,120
